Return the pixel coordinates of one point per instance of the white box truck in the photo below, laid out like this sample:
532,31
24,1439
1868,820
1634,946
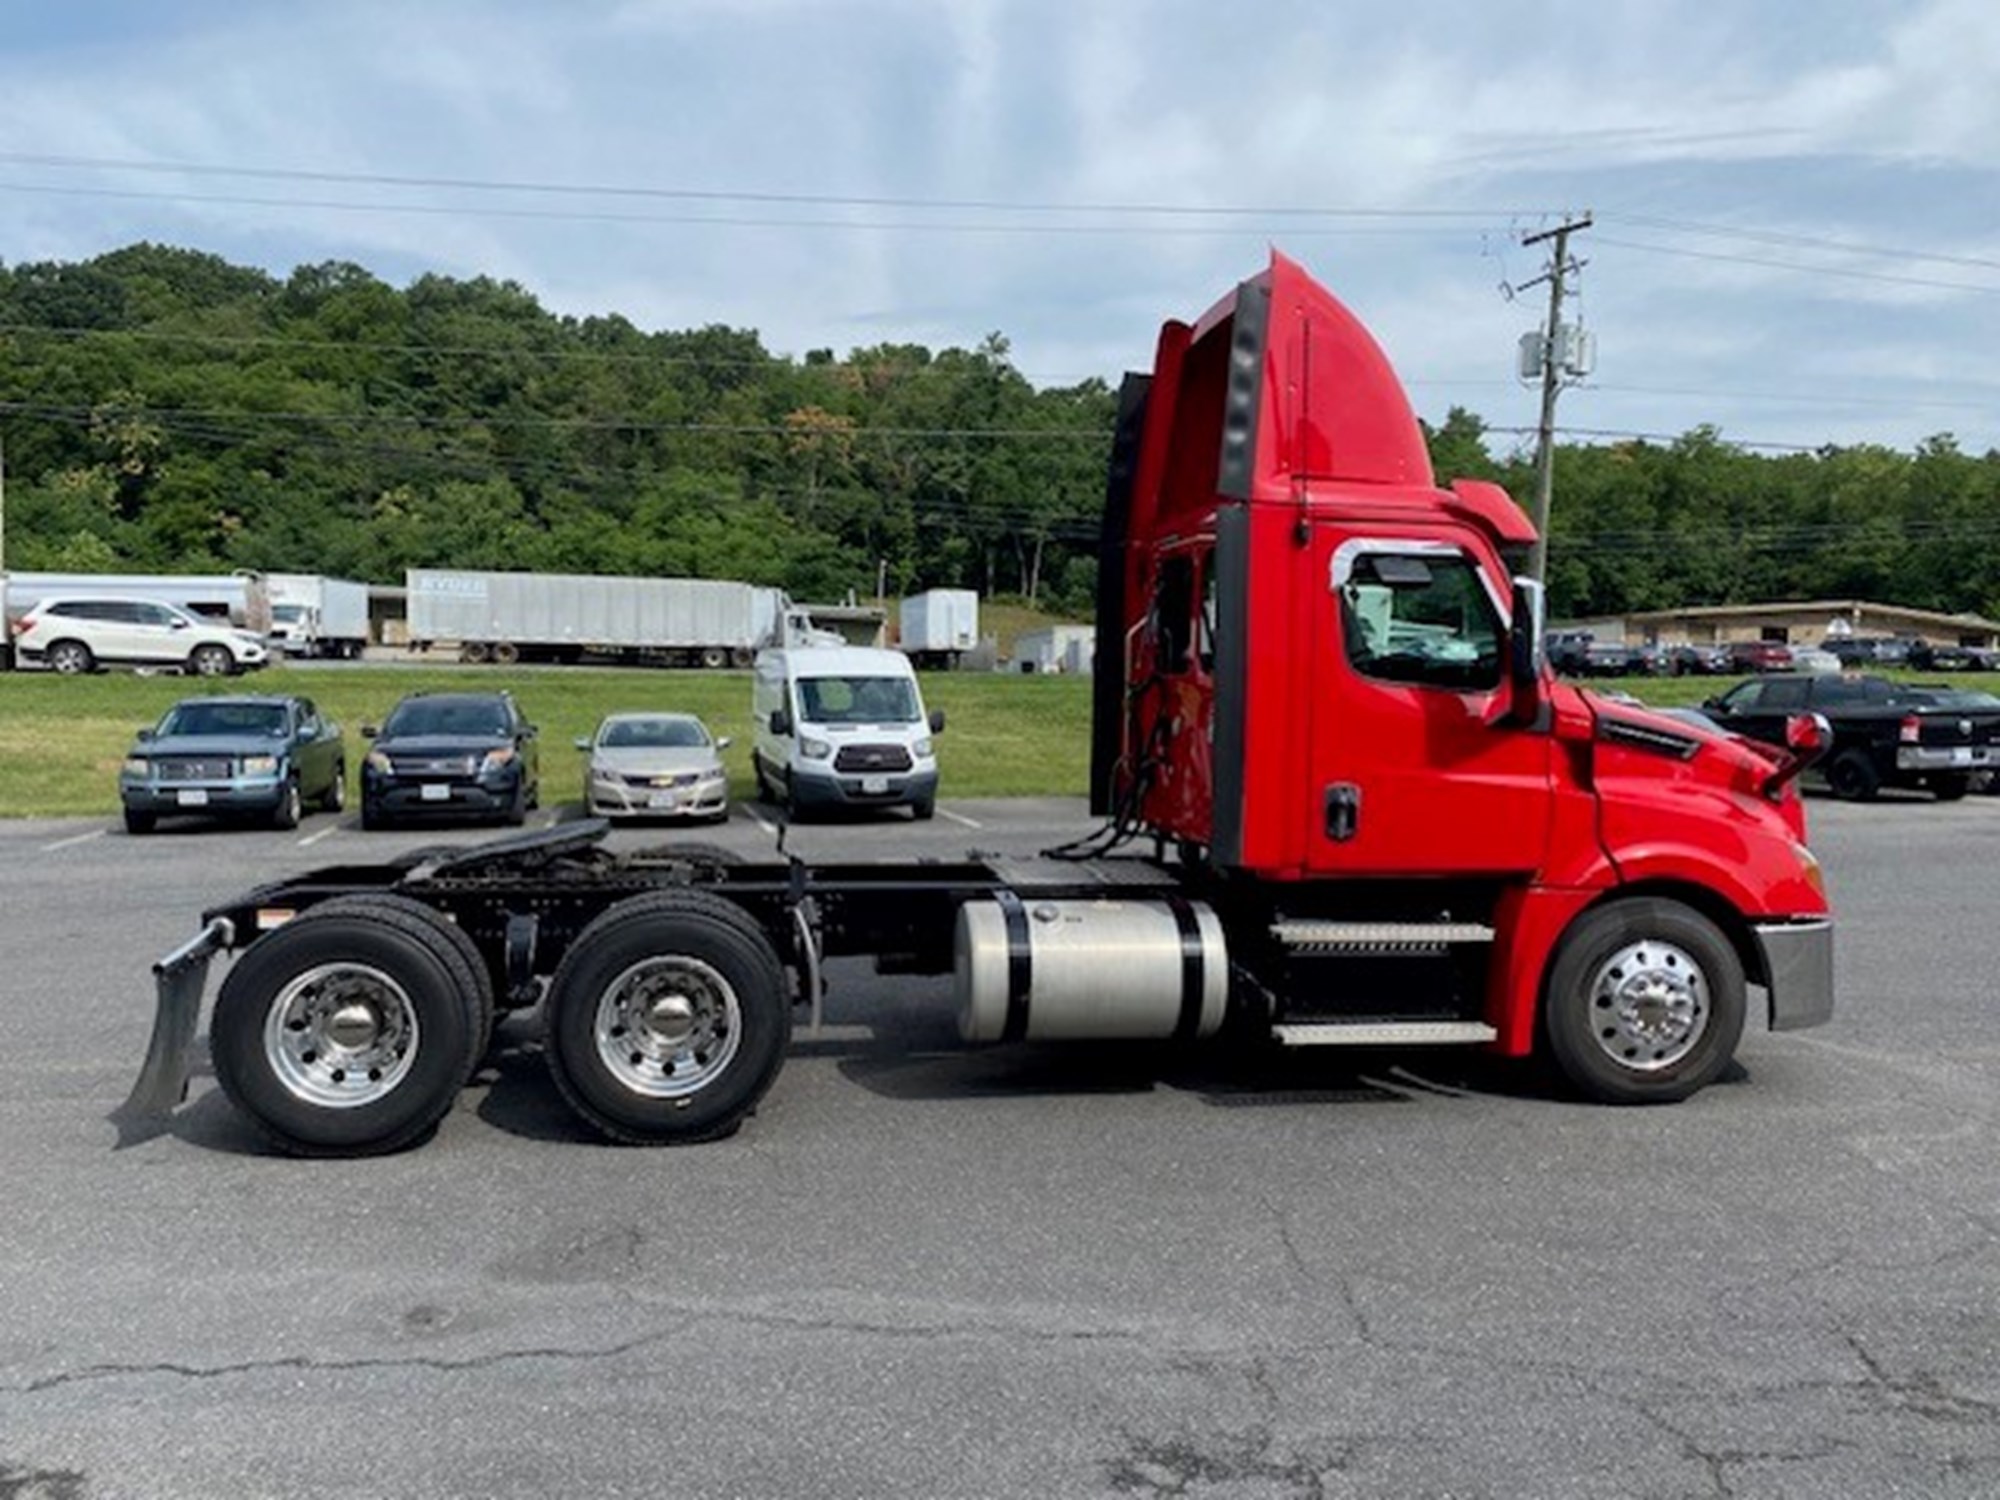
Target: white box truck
939,626
316,616
510,617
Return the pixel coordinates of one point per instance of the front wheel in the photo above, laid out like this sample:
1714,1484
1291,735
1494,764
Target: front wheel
1949,786
290,805
668,1019
211,661
140,822
924,810
336,793
1644,1003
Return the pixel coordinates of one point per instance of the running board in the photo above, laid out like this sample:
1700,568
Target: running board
1381,1033
1379,937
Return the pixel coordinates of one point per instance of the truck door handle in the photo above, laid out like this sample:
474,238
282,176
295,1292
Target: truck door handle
1343,811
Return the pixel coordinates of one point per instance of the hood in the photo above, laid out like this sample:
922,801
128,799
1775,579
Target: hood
441,744
656,760
192,746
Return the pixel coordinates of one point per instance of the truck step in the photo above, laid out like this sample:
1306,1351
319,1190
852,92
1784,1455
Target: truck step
1381,1033
1378,937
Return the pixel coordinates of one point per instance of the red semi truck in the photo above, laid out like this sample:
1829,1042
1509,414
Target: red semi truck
1365,813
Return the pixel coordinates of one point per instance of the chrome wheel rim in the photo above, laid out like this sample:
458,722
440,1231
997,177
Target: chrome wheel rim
668,1026
1649,1005
341,1035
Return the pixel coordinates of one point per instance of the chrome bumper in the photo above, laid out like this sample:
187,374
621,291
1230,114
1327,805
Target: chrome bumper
1798,963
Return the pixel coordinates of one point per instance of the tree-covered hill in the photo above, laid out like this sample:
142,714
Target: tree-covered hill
163,409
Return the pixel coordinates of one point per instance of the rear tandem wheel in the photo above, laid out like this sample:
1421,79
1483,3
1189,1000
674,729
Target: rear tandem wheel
668,1019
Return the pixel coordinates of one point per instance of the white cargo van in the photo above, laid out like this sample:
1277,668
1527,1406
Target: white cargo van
843,726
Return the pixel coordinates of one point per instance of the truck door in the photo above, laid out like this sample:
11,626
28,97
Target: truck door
1414,769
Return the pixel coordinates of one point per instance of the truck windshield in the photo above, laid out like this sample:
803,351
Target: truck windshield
858,700
224,719
288,614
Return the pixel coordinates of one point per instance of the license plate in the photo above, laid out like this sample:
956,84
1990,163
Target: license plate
435,791
193,796
874,784
664,799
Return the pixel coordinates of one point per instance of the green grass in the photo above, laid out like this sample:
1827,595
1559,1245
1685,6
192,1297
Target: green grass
61,738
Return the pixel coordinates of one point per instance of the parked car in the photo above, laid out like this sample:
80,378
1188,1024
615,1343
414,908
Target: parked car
1565,650
1884,733
263,757
71,634
1927,657
1812,659
1688,660
451,755
1868,650
1759,656
654,765
1612,659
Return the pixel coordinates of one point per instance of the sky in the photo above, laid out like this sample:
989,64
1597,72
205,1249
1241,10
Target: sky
1795,204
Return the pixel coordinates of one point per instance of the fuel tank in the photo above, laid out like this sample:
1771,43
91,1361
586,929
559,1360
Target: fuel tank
1089,970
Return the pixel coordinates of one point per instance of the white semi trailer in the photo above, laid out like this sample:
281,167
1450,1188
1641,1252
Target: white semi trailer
510,617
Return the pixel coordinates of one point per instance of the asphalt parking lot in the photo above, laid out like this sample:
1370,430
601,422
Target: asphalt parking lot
923,1270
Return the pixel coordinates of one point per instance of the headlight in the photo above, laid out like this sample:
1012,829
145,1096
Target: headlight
260,765
922,748
377,761
604,774
495,759
135,765
813,749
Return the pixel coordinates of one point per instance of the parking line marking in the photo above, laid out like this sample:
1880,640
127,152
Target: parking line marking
313,838
759,819
945,812
81,838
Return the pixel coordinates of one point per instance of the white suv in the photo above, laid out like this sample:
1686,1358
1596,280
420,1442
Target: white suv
81,634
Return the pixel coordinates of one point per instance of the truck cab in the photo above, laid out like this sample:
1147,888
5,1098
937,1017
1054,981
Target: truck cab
1319,679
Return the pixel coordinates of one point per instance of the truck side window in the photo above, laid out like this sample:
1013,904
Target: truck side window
1204,634
1420,619
1784,694
1173,613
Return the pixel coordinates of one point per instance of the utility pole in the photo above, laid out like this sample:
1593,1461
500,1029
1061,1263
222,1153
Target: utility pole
1557,351
6,623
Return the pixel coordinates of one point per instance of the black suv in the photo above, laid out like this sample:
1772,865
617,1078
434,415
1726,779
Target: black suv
450,754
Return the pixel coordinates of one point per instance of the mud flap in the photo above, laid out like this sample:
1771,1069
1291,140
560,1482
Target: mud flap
179,980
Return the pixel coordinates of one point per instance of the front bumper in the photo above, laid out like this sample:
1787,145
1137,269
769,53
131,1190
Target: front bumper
437,797
830,788
1798,963
259,794
616,800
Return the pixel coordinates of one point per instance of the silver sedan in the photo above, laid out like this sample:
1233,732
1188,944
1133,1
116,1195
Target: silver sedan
645,765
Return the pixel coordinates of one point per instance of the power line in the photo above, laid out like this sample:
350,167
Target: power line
1785,265
715,195
1804,241
607,216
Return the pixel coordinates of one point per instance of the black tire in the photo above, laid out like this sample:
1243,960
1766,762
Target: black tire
1852,778
1949,786
372,816
504,653
1643,951
925,810
335,797
764,790
291,806
453,943
140,822
284,1090
742,656
211,660
474,652
730,978
714,658
517,807
71,658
